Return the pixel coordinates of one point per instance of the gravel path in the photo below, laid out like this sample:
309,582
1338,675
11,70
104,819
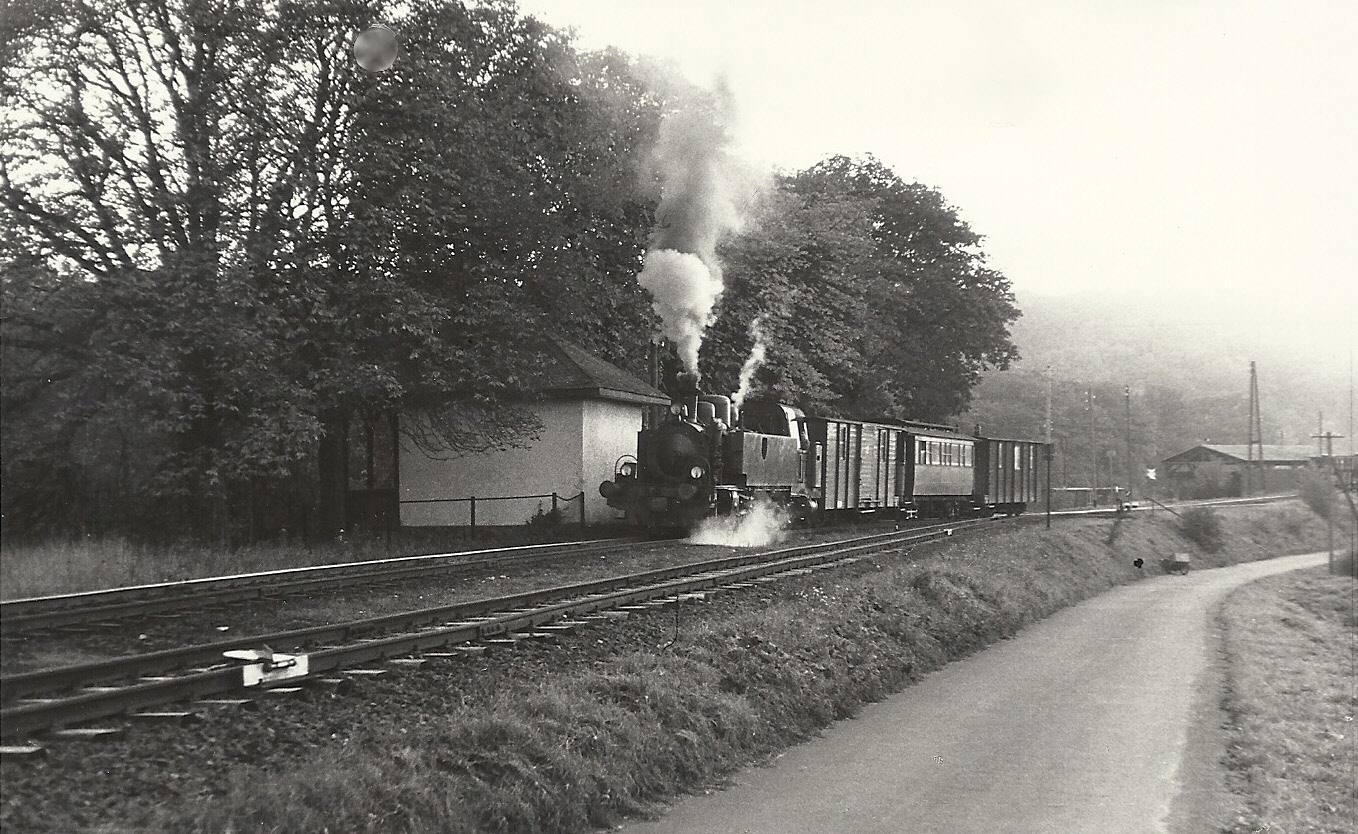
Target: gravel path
1079,724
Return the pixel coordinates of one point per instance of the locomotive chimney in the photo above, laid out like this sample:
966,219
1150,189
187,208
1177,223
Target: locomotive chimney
688,393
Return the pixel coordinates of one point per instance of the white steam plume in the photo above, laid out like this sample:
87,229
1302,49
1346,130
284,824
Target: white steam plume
685,290
763,525
752,362
698,178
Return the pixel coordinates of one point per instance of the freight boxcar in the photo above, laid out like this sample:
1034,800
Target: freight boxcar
1009,474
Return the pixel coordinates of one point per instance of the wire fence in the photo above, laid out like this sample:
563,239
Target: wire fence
555,516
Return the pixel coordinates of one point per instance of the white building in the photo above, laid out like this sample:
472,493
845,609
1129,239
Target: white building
590,415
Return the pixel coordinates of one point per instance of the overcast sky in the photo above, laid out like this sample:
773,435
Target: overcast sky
1203,148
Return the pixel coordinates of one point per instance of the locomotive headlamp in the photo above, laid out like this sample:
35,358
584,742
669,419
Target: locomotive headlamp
628,469
676,409
696,472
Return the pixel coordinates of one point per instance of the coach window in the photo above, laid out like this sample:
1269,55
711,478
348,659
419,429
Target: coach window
921,453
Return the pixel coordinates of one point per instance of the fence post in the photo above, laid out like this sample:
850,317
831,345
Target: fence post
582,509
556,517
473,500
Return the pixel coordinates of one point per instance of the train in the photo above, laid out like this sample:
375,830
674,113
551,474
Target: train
708,457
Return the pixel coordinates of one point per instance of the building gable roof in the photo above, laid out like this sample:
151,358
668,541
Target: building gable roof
567,370
1233,453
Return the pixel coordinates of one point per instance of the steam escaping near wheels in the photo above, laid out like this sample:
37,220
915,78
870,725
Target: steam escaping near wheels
764,525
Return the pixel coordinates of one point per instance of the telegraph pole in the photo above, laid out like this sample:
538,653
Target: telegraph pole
1325,439
1255,436
1048,425
1127,402
1093,451
1325,448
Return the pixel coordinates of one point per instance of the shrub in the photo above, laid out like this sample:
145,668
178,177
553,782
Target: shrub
548,518
1317,490
1201,526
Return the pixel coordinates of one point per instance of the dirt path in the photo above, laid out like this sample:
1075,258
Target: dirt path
1085,722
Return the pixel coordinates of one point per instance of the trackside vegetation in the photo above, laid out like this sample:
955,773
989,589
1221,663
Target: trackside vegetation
619,734
1290,693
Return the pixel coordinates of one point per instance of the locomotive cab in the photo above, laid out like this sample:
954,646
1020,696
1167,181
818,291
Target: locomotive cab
768,455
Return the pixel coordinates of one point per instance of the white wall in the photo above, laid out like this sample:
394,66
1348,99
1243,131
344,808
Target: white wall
580,442
551,463
610,431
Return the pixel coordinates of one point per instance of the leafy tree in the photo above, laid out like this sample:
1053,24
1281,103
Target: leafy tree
875,297
158,159
937,315
224,240
792,270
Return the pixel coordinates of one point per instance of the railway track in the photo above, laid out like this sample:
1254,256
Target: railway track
49,699
107,608
1143,507
110,608
36,701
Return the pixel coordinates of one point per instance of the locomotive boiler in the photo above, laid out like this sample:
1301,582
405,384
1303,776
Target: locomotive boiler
707,457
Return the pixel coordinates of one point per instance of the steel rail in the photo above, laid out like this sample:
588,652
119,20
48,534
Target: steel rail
466,622
35,613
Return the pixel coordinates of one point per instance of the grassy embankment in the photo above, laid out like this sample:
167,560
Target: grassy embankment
580,749
1293,755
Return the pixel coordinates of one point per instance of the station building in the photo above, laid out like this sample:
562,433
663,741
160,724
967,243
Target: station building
1219,471
590,411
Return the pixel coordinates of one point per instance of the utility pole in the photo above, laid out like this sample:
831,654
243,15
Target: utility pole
1325,439
1255,436
1093,450
1325,448
1049,446
1127,402
1048,422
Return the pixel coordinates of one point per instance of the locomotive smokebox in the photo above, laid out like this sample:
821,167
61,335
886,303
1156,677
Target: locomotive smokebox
688,393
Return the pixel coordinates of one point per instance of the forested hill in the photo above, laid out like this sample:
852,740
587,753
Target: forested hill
1186,363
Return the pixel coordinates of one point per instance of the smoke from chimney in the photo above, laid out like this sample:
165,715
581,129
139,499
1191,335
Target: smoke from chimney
752,362
697,177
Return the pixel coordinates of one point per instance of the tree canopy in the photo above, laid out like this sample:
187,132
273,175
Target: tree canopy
223,242
875,295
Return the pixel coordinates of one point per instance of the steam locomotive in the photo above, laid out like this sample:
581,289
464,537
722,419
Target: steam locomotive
709,457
